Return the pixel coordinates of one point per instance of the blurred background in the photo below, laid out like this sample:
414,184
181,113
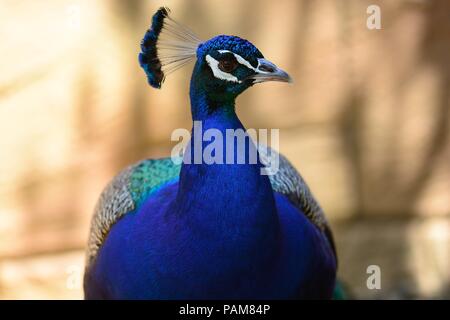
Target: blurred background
366,123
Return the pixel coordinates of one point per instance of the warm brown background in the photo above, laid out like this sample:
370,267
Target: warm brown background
366,122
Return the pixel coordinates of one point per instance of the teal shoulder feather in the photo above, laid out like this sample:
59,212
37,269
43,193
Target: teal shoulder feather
125,193
149,176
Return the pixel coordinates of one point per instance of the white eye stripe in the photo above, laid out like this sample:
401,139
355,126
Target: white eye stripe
241,60
214,65
219,74
245,63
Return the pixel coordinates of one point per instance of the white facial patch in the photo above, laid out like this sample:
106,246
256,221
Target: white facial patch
219,74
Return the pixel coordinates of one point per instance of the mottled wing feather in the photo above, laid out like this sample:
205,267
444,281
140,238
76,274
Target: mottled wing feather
289,182
114,202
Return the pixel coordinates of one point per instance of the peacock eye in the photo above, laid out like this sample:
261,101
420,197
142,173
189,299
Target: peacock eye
228,65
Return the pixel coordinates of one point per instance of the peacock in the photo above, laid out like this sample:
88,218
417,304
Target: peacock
183,229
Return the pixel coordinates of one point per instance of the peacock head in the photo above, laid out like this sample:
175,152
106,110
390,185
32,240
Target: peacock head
225,65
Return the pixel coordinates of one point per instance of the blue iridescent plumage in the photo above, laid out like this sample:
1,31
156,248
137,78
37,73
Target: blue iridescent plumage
162,230
232,43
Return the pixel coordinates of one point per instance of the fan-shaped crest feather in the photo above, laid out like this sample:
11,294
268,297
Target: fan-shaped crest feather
166,47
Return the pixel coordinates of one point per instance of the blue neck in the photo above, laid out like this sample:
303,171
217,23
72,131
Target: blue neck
204,104
226,199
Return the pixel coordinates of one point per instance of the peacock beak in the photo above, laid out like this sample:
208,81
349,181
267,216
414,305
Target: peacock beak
267,71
